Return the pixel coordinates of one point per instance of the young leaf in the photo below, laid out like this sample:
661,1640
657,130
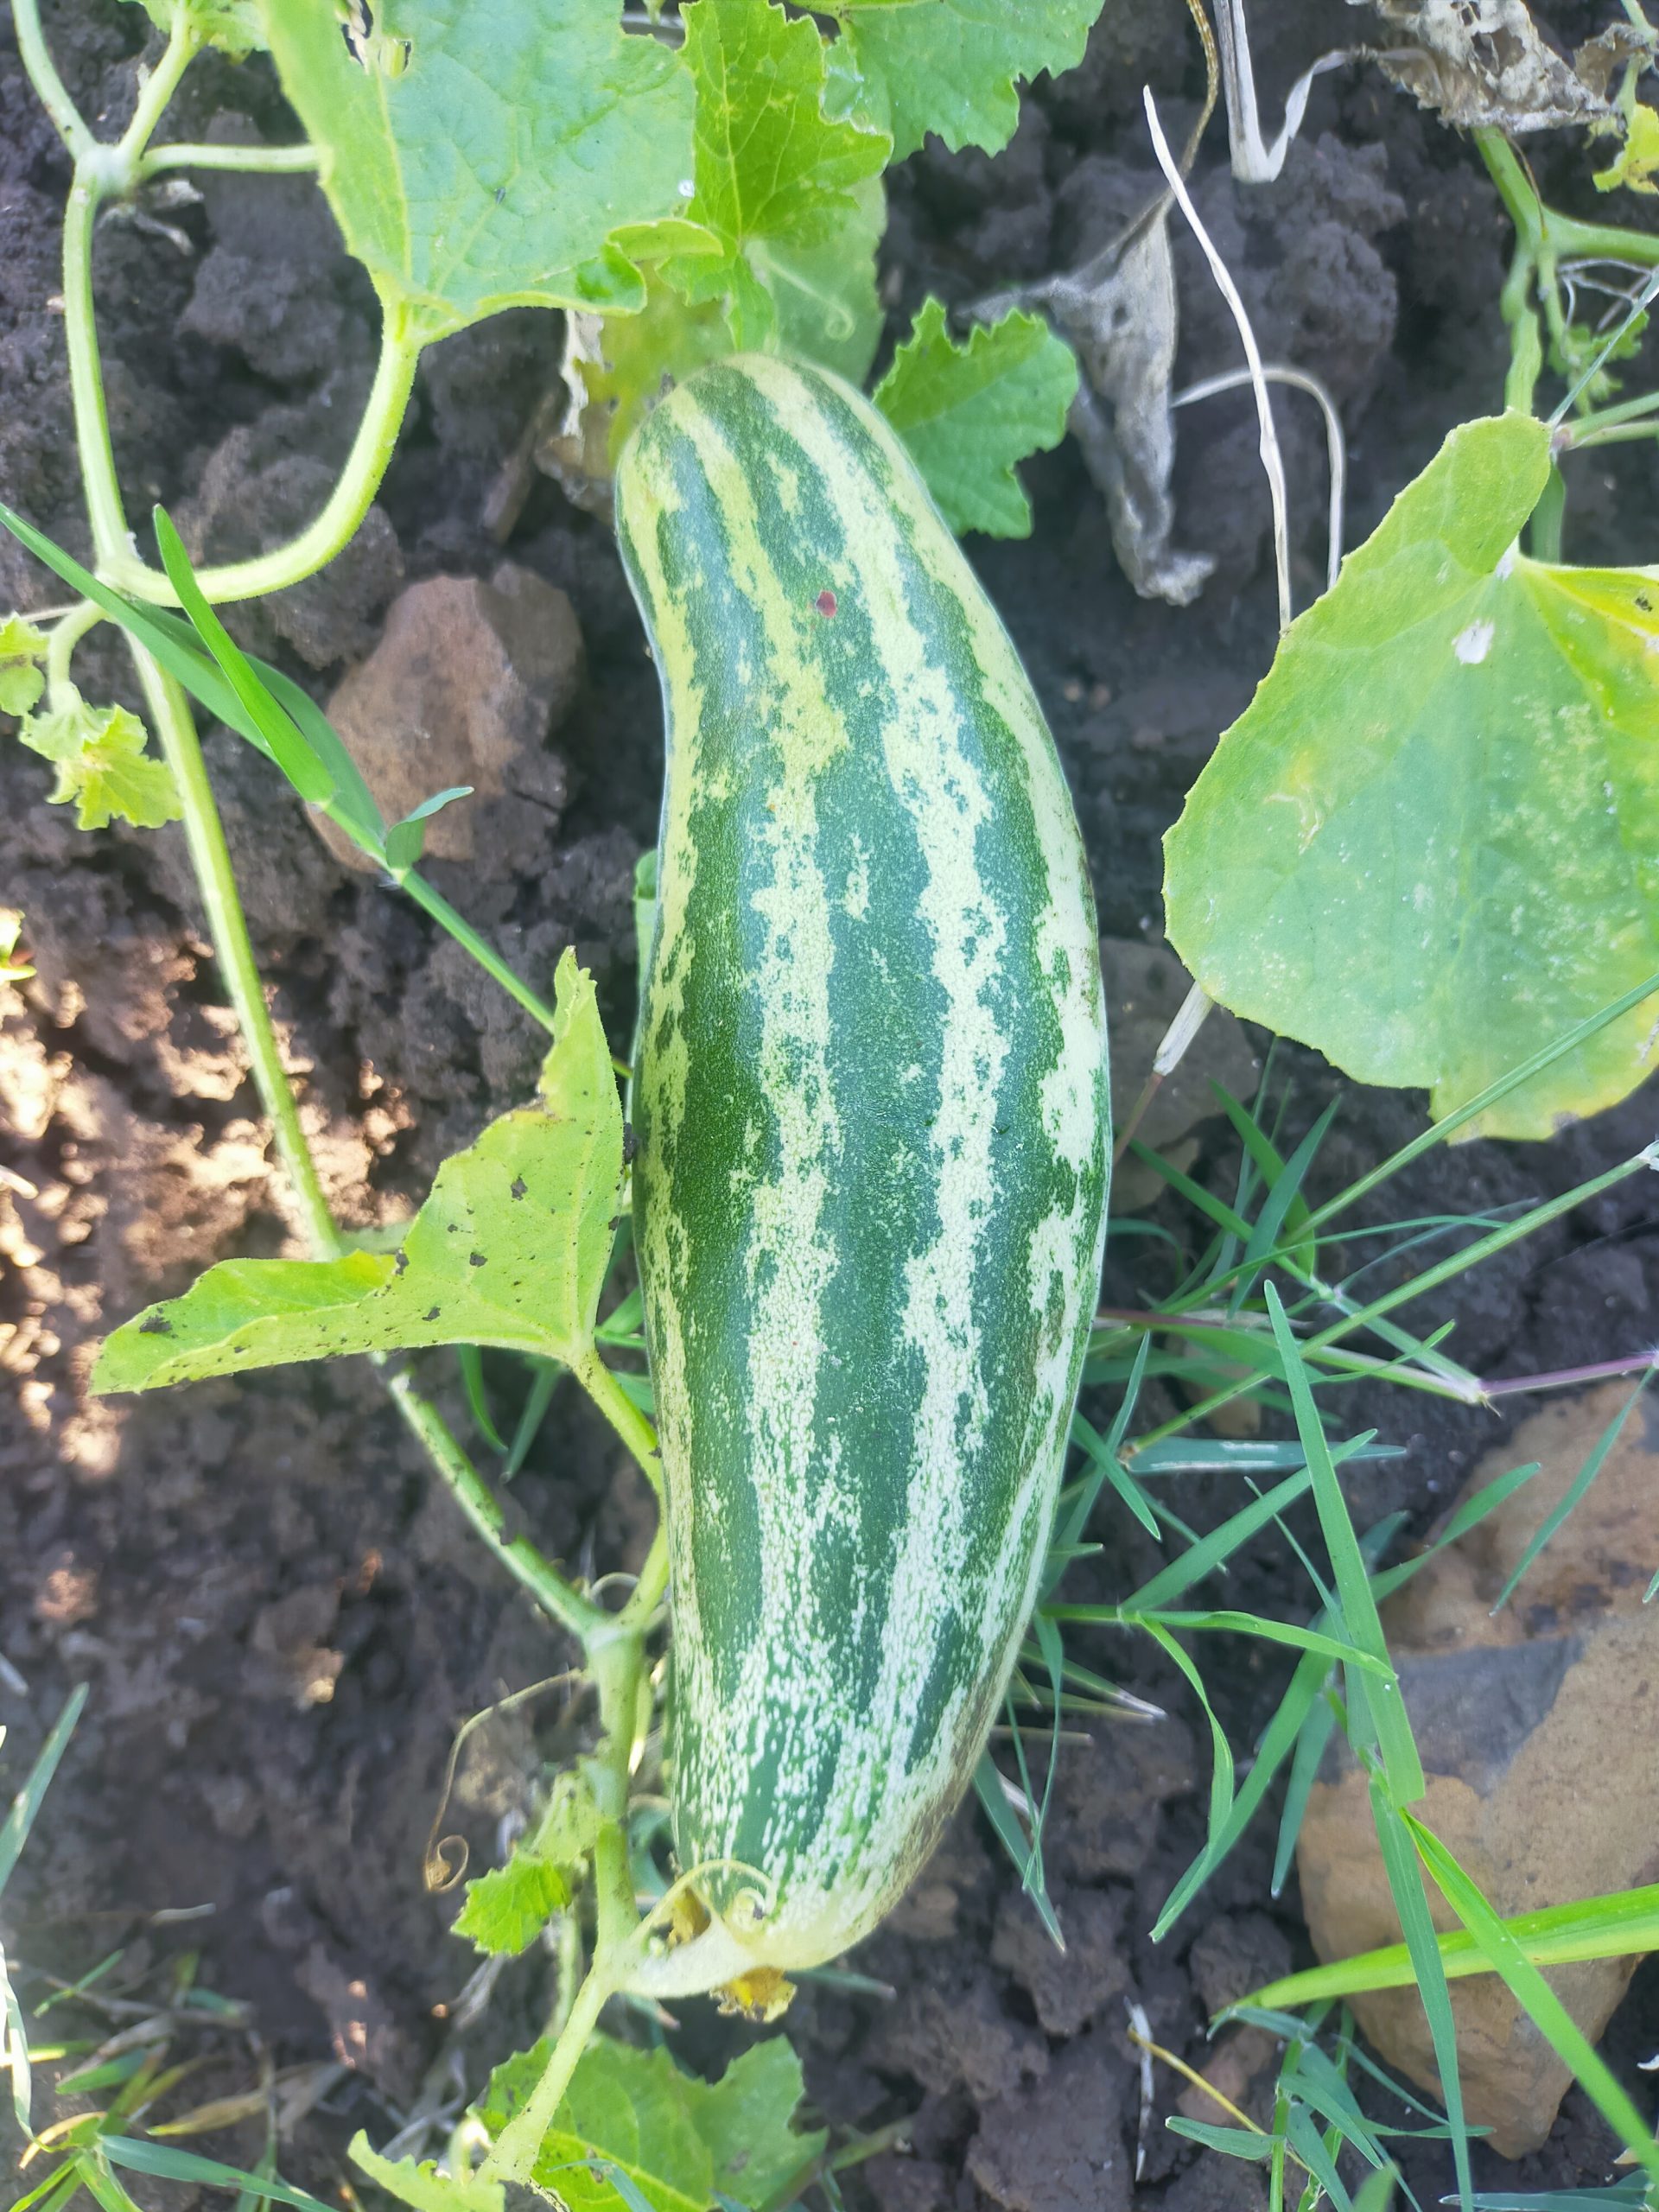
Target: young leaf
476,166
774,175
679,2141
1638,165
12,968
231,25
1432,837
22,649
421,2185
103,767
512,1247
508,1909
952,68
968,413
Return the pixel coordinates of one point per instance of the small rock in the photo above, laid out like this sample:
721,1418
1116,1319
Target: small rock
466,685
1525,1721
1145,985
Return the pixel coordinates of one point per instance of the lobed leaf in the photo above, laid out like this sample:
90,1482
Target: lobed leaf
968,413
472,168
508,1909
103,769
510,1248
776,177
953,67
1432,837
681,2142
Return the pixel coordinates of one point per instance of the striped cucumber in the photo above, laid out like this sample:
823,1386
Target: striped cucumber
870,1191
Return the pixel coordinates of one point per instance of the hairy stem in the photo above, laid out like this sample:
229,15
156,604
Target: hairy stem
347,504
67,634
517,1555
263,160
41,71
625,1417
616,1665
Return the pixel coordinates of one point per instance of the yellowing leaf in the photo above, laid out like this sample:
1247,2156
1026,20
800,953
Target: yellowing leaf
510,1249
21,648
968,413
1431,844
102,766
1637,166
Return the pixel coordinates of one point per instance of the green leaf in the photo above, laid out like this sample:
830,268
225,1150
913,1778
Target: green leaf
165,2159
1638,165
508,1909
1432,838
1533,1993
510,1248
952,68
102,765
644,353
421,2185
233,26
968,413
823,290
21,648
678,2140
477,165
776,177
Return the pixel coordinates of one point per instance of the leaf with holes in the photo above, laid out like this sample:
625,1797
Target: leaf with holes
472,170
512,1247
954,67
969,412
1431,844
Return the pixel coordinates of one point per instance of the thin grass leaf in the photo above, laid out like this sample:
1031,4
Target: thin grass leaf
59,2188
1034,1877
1221,1772
1574,1491
1305,2140
1330,1647
1232,2142
105,2188
1208,1551
1619,2196
1280,1734
1535,1996
14,2050
470,1361
988,1785
1613,1926
1468,1516
1311,1742
282,742
541,1388
1229,1455
1377,2194
174,2165
1401,1865
27,1803
1104,1466
1230,1221
1286,1187
1260,1148
1388,1710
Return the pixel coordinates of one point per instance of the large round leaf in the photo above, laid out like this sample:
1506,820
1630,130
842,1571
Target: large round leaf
1431,844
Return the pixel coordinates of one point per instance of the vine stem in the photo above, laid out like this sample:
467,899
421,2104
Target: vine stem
347,504
43,74
263,160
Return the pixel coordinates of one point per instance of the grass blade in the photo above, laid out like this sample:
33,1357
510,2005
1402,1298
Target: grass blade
27,1803
1610,1927
1400,1863
1575,1490
170,2163
1387,1707
1535,1996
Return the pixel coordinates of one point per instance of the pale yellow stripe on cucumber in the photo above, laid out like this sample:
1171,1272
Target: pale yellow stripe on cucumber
791,1256
935,782
646,491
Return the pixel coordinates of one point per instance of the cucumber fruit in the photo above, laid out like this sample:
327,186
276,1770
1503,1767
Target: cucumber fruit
874,1144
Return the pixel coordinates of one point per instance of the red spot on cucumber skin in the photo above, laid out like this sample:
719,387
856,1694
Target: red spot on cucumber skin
826,603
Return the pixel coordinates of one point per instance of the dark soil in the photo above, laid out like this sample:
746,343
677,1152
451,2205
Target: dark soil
280,1618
